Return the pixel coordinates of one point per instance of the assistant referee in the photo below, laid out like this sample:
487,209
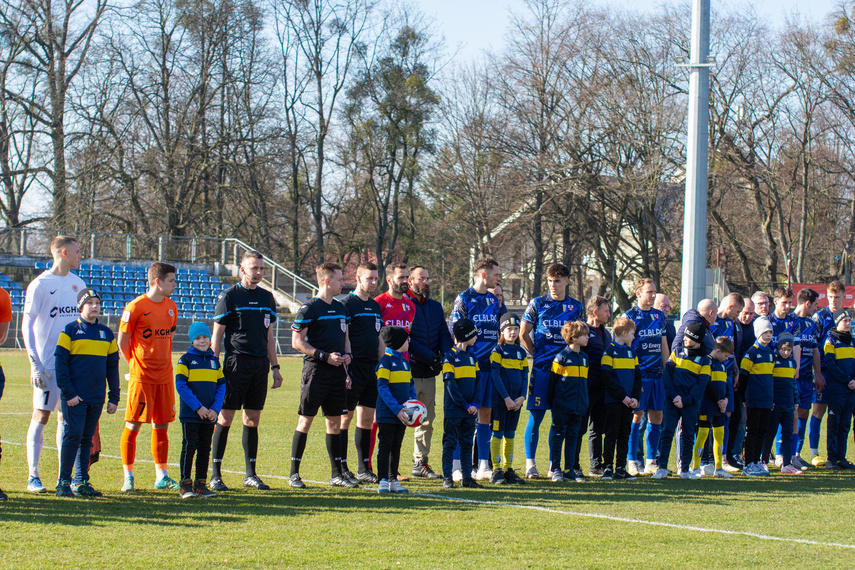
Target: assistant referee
244,316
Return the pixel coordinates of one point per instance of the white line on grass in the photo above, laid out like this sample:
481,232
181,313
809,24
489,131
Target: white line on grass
555,511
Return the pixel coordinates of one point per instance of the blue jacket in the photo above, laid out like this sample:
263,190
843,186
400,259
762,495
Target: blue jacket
87,360
429,338
757,372
509,363
598,339
717,389
394,386
621,376
686,376
462,383
199,381
693,316
568,383
839,363
786,395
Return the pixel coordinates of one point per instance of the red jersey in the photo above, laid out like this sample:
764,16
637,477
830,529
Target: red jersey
396,312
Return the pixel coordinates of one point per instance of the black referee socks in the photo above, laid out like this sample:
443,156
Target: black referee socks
250,449
218,449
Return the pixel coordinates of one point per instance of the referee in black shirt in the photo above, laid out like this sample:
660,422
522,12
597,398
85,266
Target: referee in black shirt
244,316
364,334
319,332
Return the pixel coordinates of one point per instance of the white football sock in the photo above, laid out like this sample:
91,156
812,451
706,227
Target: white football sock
35,442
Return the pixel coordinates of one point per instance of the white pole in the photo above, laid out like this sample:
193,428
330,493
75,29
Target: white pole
695,219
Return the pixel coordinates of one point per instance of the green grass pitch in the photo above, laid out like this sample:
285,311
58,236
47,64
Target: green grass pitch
743,522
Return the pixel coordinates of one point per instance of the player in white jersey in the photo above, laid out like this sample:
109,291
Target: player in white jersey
51,303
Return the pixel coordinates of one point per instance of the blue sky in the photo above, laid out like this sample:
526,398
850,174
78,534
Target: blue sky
476,25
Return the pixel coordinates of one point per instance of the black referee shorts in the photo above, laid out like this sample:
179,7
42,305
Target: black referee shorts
363,384
246,381
323,386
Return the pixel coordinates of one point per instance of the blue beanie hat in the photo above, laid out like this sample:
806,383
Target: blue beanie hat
198,329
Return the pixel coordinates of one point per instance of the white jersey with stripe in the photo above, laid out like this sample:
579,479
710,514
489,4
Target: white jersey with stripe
51,303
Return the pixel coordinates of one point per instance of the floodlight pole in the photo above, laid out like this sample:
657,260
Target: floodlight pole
695,217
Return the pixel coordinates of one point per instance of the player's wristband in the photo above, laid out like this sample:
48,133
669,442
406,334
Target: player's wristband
275,367
321,355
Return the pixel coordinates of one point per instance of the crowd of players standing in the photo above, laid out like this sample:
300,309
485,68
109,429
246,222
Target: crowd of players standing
340,342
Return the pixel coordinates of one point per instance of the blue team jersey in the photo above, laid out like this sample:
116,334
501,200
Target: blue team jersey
727,328
788,324
808,339
484,310
649,330
824,320
548,316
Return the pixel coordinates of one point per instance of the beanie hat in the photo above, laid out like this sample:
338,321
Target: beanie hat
85,295
393,337
761,325
786,338
508,320
841,314
198,329
696,331
463,330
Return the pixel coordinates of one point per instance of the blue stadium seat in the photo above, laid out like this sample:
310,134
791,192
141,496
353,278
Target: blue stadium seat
41,265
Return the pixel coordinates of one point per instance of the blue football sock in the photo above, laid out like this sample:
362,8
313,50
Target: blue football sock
653,431
802,430
456,456
532,432
778,441
484,436
814,431
634,432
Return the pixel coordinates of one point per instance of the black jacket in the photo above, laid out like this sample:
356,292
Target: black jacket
429,338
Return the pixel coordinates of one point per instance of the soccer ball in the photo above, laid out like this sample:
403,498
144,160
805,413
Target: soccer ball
416,413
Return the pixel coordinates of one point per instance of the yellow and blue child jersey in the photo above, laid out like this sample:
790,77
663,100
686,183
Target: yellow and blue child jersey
547,316
199,381
649,330
87,361
716,389
620,374
509,363
756,370
839,363
461,381
568,382
394,386
484,310
686,376
786,394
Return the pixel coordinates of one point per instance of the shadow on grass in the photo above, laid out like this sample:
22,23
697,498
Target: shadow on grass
166,509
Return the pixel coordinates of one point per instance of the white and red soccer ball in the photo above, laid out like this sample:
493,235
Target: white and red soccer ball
416,413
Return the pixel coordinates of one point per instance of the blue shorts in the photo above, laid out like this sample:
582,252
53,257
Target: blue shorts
806,392
652,394
502,419
486,378
819,397
537,386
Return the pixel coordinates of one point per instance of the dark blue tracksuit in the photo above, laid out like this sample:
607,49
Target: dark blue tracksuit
87,359
839,362
462,387
686,375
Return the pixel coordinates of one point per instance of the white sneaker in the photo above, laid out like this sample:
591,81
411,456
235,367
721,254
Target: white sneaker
651,467
632,468
779,461
730,468
396,487
660,473
691,474
722,474
457,475
483,474
474,473
708,469
798,463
